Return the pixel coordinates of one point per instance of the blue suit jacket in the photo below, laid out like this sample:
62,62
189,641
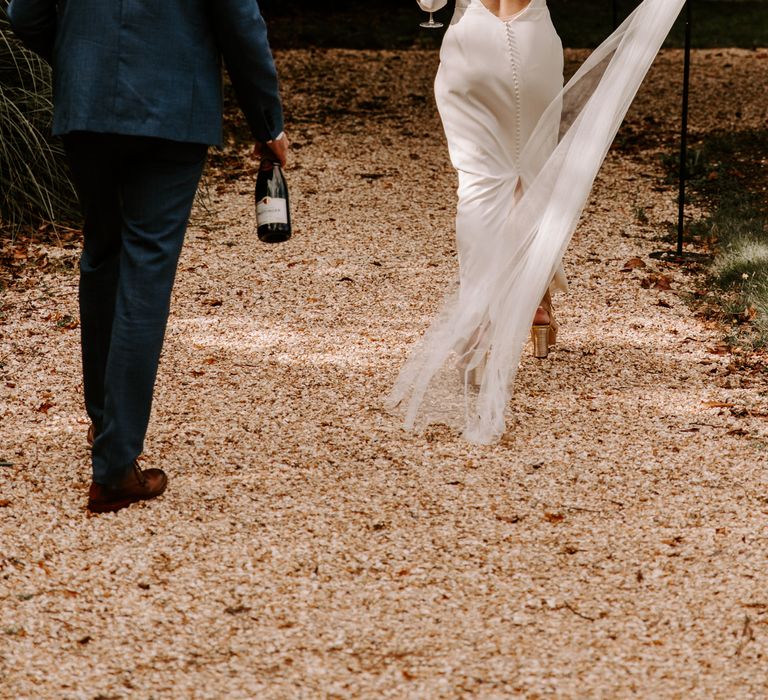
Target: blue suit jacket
152,67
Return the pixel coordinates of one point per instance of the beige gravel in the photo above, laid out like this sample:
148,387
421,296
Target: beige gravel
613,545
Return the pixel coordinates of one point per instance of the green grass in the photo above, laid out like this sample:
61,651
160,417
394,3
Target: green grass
743,264
729,180
741,275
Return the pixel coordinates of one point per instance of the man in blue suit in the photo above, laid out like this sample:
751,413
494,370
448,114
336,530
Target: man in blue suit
137,100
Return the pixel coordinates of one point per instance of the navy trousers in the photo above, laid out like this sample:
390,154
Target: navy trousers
136,194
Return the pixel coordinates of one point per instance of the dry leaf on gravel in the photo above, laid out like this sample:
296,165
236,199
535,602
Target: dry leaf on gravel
633,264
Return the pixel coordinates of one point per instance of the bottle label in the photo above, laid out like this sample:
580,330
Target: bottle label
271,210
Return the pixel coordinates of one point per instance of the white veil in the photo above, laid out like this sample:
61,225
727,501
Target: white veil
493,323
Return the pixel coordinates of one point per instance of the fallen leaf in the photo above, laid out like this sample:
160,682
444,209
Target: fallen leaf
633,264
4,503
45,407
717,404
511,519
673,541
67,323
554,518
236,609
657,282
747,314
719,350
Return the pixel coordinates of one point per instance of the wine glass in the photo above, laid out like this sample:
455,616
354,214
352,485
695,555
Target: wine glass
431,24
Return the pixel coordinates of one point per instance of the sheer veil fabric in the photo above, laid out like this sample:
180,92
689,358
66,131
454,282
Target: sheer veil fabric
541,183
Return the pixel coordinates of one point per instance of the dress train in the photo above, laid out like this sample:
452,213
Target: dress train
488,321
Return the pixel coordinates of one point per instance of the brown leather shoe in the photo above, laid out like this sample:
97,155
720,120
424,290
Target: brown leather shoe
91,434
138,485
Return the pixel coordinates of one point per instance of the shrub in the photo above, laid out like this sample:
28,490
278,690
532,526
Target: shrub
34,181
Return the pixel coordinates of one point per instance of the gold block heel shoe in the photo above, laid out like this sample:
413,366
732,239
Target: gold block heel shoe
542,336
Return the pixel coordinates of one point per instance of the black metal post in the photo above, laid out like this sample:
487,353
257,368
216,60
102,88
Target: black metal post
678,256
684,128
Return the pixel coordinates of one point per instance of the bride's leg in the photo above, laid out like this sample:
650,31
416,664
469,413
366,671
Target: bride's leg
473,376
477,219
545,316
544,328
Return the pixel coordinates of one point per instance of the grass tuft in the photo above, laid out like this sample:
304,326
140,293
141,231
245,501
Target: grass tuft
34,181
744,263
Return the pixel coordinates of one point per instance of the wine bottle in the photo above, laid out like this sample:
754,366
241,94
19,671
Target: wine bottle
273,212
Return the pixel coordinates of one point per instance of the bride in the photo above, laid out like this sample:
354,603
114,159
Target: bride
501,66
526,150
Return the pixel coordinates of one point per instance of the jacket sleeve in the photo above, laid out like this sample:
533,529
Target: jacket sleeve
242,38
34,22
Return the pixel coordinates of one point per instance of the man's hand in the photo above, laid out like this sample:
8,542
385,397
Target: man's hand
276,150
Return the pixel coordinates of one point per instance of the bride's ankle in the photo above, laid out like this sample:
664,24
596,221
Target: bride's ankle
542,317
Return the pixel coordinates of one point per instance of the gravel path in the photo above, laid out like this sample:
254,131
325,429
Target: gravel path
613,545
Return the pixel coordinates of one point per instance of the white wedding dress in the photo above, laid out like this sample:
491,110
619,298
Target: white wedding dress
496,78
527,151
